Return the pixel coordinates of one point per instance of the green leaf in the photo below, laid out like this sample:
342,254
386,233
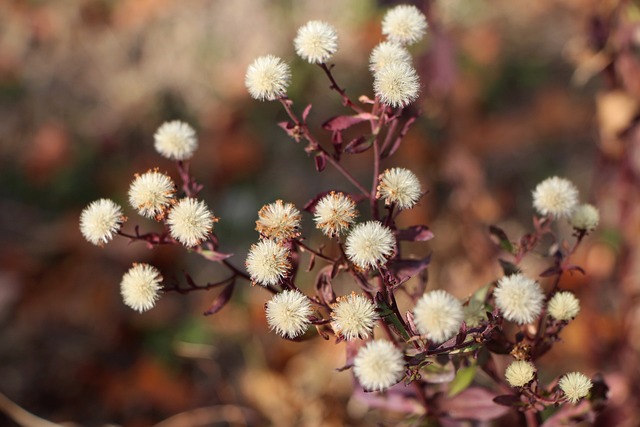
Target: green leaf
463,379
503,240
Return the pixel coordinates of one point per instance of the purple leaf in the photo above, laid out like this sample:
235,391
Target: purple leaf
323,286
321,162
214,256
407,268
340,123
358,145
416,233
551,271
398,141
576,268
474,403
305,113
508,400
221,300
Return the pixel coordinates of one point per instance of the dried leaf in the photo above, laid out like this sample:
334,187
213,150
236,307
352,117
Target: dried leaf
324,289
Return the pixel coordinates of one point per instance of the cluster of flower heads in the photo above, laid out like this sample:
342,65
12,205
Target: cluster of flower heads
396,81
153,195
558,198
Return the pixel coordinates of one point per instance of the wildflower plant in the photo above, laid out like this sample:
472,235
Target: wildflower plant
516,316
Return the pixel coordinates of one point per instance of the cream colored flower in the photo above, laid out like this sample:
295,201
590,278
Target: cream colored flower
190,221
564,306
369,244
438,315
100,221
387,53
555,196
585,217
151,193
176,140
575,386
404,24
278,220
520,373
354,316
335,213
140,287
316,42
267,78
378,365
396,84
399,186
268,262
519,298
288,313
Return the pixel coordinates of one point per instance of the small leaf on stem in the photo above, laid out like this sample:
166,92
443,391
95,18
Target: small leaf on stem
415,233
221,300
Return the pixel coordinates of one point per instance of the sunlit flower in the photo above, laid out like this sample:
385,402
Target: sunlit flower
399,186
555,196
151,193
278,220
140,287
268,262
354,317
404,24
267,78
519,298
564,306
176,140
369,244
190,221
378,365
288,313
335,213
585,217
396,84
100,221
438,315
387,53
575,386
316,42
520,373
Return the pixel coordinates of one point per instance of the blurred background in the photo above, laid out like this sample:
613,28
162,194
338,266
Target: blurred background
512,92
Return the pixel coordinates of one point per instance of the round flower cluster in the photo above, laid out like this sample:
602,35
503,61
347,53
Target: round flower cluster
399,186
268,78
369,244
354,317
520,373
335,213
404,24
176,140
279,221
378,365
140,287
387,53
288,313
268,262
100,221
316,42
190,221
585,217
519,298
396,84
556,197
438,315
151,193
575,386
564,306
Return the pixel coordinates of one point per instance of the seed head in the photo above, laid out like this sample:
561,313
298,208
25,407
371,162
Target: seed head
190,221
176,140
555,196
438,315
268,262
279,221
267,78
316,42
369,244
378,365
387,53
140,287
585,217
288,313
575,386
151,193
396,84
564,306
404,24
399,186
520,373
354,316
519,298
335,213
100,220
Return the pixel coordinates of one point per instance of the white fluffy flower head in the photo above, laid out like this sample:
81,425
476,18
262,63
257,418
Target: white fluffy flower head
288,313
278,220
151,193
519,298
100,220
399,186
404,24
396,84
520,373
369,244
378,365
268,262
267,78
556,197
438,315
190,221
316,42
175,140
564,306
354,316
575,386
585,217
335,213
387,53
140,287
